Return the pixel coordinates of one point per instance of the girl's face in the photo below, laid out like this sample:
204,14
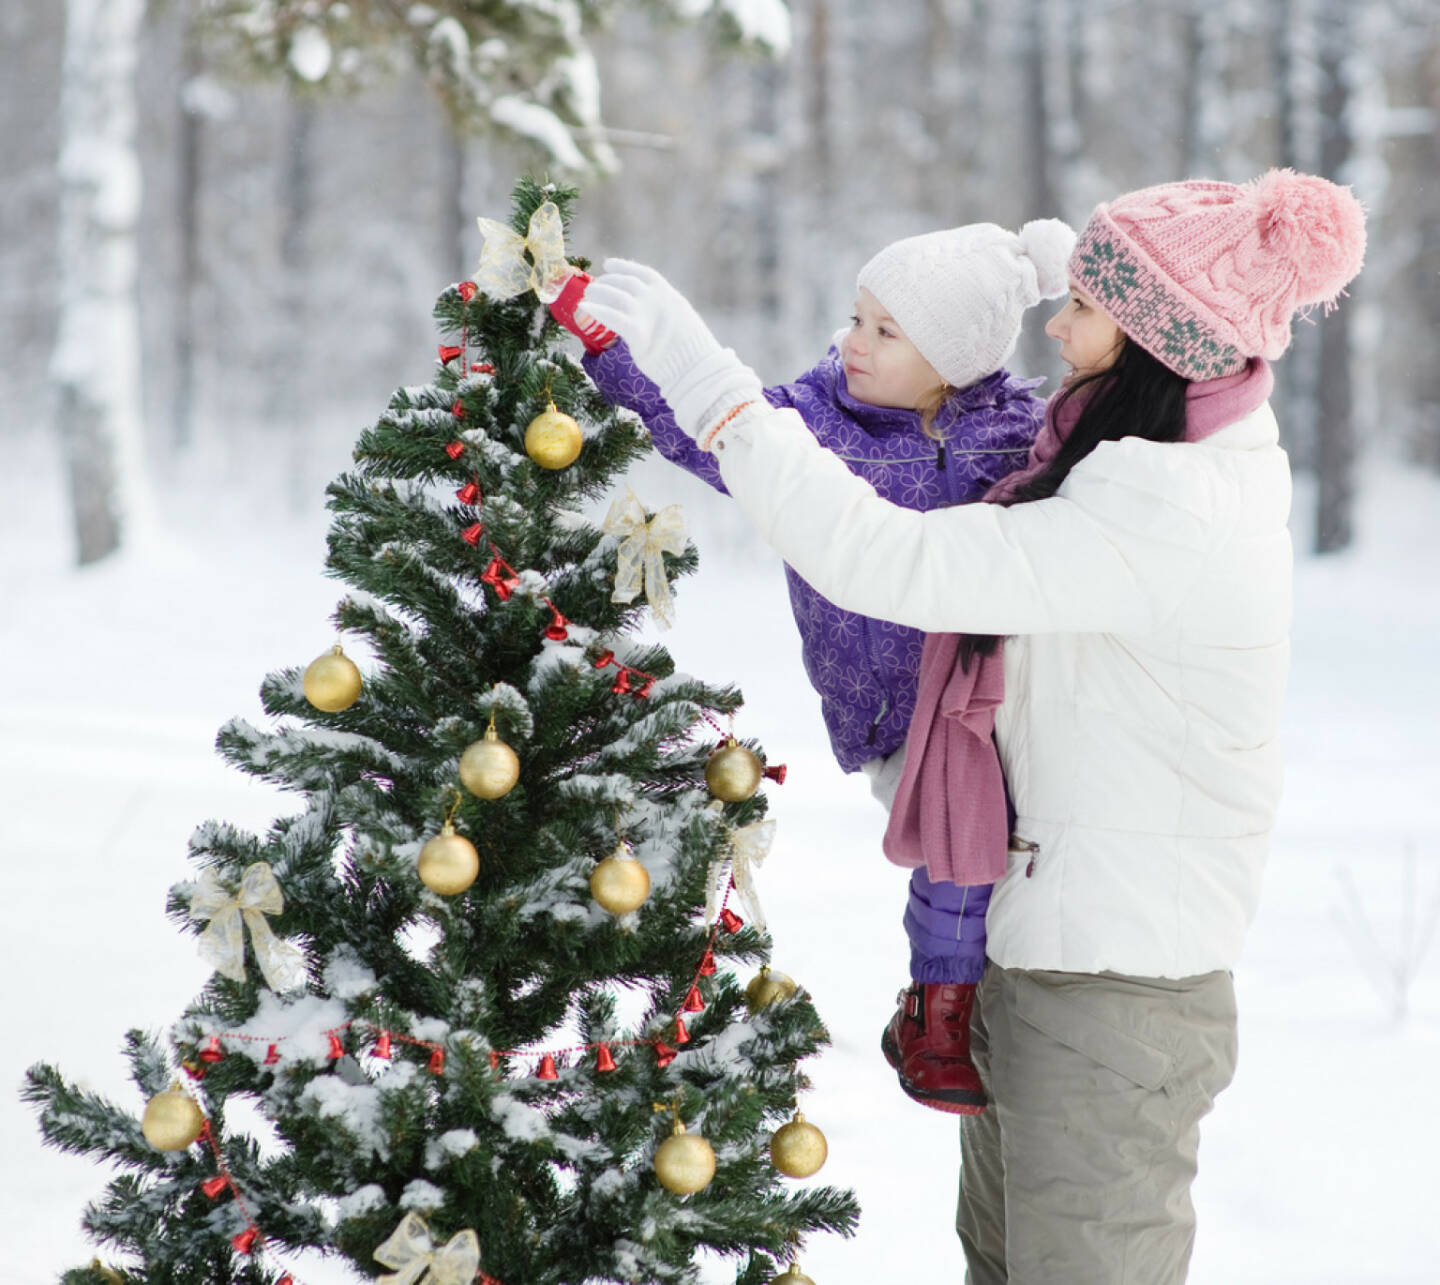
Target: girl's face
1089,340
882,367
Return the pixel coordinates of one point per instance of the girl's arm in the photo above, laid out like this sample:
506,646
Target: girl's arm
1111,552
623,383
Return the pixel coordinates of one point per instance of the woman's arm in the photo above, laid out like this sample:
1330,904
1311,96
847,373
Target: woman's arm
1111,552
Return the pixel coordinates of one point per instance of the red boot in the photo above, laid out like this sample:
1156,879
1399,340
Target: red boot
928,1044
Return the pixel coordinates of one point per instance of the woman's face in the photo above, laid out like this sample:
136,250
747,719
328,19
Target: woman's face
1089,340
882,367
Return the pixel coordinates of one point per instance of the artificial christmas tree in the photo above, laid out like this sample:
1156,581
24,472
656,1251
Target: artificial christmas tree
474,1070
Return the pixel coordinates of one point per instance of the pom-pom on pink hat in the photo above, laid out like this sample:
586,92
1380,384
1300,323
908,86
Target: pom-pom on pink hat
1207,275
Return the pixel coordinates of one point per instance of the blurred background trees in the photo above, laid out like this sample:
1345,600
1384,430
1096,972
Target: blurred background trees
310,173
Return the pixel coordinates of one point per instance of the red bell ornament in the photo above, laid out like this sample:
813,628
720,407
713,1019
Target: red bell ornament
212,1187
244,1241
469,493
556,630
382,1045
682,1036
664,1054
448,353
707,964
455,450
337,1049
693,1002
603,1060
730,921
437,1062
472,533
467,290
547,1069
212,1051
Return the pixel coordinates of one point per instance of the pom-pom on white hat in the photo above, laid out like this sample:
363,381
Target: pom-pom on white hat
959,294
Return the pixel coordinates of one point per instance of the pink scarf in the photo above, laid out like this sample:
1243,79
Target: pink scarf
950,814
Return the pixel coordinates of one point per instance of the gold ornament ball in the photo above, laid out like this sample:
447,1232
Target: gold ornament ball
332,682
172,1120
448,863
684,1162
768,988
733,773
552,439
489,768
798,1149
620,883
792,1275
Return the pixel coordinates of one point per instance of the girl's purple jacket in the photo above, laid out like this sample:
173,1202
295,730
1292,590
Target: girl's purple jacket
865,670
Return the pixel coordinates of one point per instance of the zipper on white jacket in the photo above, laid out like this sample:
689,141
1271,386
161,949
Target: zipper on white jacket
1017,844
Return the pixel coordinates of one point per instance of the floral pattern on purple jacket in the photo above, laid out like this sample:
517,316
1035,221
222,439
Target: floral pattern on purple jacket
865,670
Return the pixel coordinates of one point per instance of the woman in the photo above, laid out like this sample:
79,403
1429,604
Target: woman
1138,573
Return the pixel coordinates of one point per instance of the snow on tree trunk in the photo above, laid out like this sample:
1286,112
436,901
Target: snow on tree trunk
95,368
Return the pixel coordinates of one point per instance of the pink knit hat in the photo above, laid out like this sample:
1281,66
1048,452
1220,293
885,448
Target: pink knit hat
1206,275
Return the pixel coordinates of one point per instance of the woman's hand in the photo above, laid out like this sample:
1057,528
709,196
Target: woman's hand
670,343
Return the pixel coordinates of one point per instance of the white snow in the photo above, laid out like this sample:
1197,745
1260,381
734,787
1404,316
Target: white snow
1316,1167
310,54
541,125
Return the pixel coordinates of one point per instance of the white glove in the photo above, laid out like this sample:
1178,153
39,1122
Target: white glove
671,344
884,774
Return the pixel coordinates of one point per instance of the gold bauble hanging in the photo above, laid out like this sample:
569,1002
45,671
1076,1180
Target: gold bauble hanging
489,768
552,439
792,1275
620,883
448,863
798,1149
684,1162
767,988
172,1120
733,773
332,682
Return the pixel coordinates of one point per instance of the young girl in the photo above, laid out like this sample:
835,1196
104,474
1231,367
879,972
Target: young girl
1140,572
915,399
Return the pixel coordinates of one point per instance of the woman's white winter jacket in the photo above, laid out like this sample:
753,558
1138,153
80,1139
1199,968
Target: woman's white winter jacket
1147,607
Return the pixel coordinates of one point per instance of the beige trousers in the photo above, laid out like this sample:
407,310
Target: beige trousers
1079,1172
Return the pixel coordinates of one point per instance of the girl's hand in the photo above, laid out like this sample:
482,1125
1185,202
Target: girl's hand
670,343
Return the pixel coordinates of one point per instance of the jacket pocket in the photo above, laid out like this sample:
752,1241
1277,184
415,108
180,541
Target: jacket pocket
1077,1027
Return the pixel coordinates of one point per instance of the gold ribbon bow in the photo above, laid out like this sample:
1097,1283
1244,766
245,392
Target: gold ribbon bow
412,1253
749,846
641,543
223,942
504,270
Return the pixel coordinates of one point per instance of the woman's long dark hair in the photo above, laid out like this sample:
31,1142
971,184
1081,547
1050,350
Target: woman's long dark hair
1136,396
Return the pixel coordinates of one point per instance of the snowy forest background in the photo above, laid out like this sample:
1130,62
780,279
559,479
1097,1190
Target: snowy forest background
194,329
295,206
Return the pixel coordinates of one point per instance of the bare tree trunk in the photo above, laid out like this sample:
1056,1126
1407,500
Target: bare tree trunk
819,135
1293,390
1427,268
1042,198
182,428
1336,442
96,363
287,394
455,220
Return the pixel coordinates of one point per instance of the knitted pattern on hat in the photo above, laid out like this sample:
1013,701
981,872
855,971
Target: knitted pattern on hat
1206,275
960,294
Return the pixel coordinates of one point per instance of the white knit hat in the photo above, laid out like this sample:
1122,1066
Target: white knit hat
959,294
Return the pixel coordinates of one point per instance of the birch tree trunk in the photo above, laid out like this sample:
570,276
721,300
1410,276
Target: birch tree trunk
95,368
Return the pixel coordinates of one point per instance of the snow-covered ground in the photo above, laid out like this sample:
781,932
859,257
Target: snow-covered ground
1318,1165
